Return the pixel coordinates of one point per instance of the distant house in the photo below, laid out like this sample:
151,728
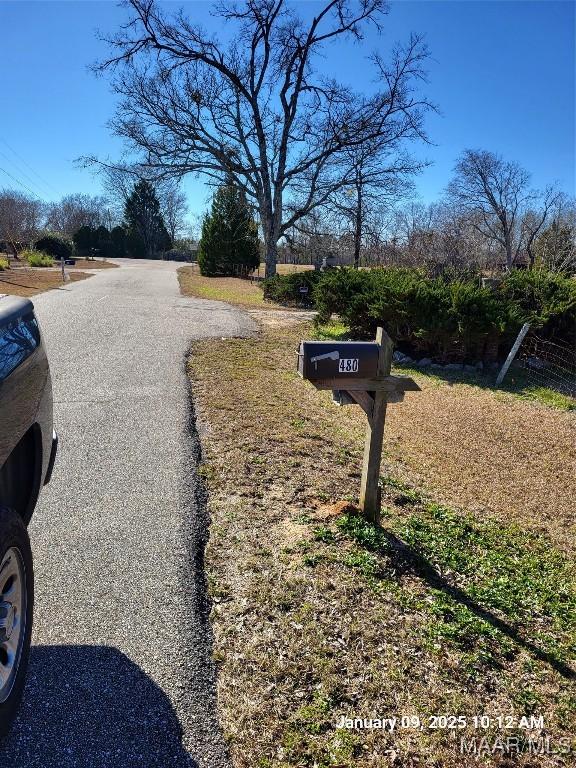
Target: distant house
520,262
188,254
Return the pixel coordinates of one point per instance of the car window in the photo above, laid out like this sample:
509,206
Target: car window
18,340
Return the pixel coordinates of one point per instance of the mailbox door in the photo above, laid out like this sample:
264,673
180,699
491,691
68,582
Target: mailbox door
345,359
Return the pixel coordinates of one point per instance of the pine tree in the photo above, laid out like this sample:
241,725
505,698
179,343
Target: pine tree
229,243
84,240
118,240
147,234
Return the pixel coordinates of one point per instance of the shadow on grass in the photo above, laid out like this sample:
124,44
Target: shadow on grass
407,559
518,382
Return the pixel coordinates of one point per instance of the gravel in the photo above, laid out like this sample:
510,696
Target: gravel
120,671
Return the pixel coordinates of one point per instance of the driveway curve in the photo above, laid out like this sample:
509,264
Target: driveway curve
120,671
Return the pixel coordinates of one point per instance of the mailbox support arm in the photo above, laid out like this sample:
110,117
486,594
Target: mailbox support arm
365,400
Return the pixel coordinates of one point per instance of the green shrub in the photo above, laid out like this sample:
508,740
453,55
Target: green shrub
4,264
450,319
285,289
546,300
37,259
56,246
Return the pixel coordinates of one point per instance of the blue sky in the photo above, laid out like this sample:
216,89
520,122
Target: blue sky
502,74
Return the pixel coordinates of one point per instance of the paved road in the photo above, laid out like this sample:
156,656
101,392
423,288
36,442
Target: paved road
120,667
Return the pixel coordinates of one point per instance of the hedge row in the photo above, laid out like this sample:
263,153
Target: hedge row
447,319
55,246
285,289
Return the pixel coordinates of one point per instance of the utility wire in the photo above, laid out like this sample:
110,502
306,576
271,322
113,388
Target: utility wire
22,173
20,183
46,184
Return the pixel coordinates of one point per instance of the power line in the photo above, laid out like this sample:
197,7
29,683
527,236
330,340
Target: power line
21,172
20,183
46,184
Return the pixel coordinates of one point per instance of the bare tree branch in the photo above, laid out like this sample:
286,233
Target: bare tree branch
255,110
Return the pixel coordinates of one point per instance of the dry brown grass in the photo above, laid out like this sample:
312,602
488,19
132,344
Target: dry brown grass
490,453
232,290
310,624
29,282
285,269
93,264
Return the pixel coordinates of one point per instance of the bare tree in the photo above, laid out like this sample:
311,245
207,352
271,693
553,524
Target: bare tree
536,217
255,110
314,237
411,232
374,182
555,246
119,180
20,218
498,193
77,210
174,209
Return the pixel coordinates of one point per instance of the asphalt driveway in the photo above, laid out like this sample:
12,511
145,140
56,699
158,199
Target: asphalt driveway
120,671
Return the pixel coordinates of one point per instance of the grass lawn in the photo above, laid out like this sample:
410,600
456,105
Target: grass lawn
29,282
285,269
232,290
22,280
93,264
463,603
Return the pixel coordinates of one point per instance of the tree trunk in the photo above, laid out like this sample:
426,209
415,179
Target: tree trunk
358,226
509,256
357,237
271,257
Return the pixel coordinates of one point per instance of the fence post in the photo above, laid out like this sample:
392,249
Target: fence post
512,354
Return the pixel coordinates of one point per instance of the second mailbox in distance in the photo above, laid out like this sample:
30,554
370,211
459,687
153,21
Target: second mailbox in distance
344,359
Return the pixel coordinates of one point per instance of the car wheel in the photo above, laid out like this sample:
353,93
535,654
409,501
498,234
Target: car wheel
16,603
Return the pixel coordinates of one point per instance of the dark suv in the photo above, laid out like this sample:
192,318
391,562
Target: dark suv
27,452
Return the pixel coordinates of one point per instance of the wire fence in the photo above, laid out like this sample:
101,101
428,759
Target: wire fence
548,364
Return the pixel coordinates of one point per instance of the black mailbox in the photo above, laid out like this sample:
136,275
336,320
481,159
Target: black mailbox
344,359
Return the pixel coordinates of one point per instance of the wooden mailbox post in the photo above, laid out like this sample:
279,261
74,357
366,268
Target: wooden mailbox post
359,373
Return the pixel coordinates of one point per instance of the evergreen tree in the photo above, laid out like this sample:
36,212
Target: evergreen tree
118,240
147,234
229,243
84,240
103,244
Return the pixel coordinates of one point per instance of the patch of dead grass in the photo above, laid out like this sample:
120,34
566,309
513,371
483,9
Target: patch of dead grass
29,282
93,264
232,290
309,624
242,293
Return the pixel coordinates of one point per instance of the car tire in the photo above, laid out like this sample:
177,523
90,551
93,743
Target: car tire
16,609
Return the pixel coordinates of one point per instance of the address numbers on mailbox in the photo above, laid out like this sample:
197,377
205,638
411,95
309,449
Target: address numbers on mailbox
326,360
